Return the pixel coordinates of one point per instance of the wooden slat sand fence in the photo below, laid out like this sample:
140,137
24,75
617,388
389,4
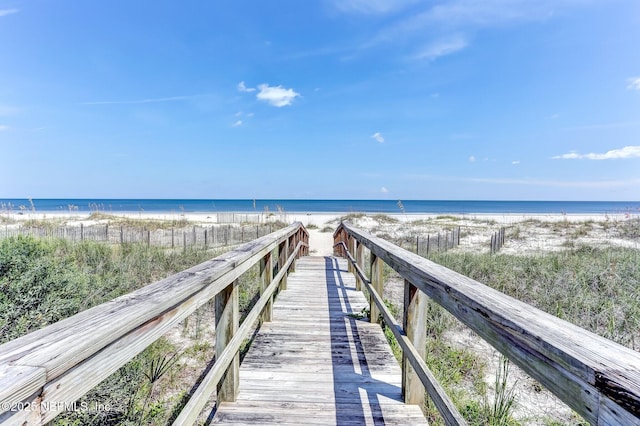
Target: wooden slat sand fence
54,366
212,236
598,378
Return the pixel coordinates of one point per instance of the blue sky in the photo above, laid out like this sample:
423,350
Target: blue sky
459,99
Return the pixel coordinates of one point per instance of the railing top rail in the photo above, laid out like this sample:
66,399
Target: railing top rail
31,361
597,377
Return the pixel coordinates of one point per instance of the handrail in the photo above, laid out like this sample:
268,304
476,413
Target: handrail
54,366
598,378
443,403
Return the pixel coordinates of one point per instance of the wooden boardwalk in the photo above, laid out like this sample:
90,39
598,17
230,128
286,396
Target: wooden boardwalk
314,364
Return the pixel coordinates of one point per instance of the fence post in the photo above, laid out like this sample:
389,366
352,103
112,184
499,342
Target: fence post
359,260
377,284
227,322
428,242
106,232
148,238
81,232
121,235
415,326
172,238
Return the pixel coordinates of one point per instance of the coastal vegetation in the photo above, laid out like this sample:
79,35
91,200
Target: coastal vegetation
592,282
45,280
586,272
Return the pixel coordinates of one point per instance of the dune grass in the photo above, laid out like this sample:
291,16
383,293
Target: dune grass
43,281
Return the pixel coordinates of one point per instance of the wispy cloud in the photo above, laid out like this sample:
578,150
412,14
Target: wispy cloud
515,162
442,47
369,7
276,96
143,101
634,83
243,88
626,152
5,12
472,159
378,137
384,190
446,27
237,123
3,128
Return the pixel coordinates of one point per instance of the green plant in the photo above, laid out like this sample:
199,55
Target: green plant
499,411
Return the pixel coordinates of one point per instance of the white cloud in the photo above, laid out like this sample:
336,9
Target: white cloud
3,128
5,12
515,162
634,83
243,88
384,190
276,96
378,137
442,48
237,123
472,159
626,152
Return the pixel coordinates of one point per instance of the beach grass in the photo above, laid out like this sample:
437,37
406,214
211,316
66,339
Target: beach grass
46,280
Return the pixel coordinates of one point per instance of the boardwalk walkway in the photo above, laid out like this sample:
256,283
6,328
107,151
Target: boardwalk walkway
315,364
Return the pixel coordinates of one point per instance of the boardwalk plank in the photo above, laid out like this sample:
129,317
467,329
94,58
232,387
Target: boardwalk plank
316,363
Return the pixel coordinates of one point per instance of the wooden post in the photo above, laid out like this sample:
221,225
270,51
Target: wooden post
428,242
266,276
106,232
283,254
81,232
172,238
121,235
359,261
350,242
290,249
415,326
227,322
148,238
205,238
377,284
417,245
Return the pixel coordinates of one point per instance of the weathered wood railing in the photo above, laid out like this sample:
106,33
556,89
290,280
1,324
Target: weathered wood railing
45,371
598,378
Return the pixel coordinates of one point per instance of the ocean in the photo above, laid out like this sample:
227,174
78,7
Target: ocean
318,206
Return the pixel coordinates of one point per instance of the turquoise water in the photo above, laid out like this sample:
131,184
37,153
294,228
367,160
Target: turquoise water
319,206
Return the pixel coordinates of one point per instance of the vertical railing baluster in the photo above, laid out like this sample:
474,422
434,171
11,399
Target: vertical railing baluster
227,322
415,326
